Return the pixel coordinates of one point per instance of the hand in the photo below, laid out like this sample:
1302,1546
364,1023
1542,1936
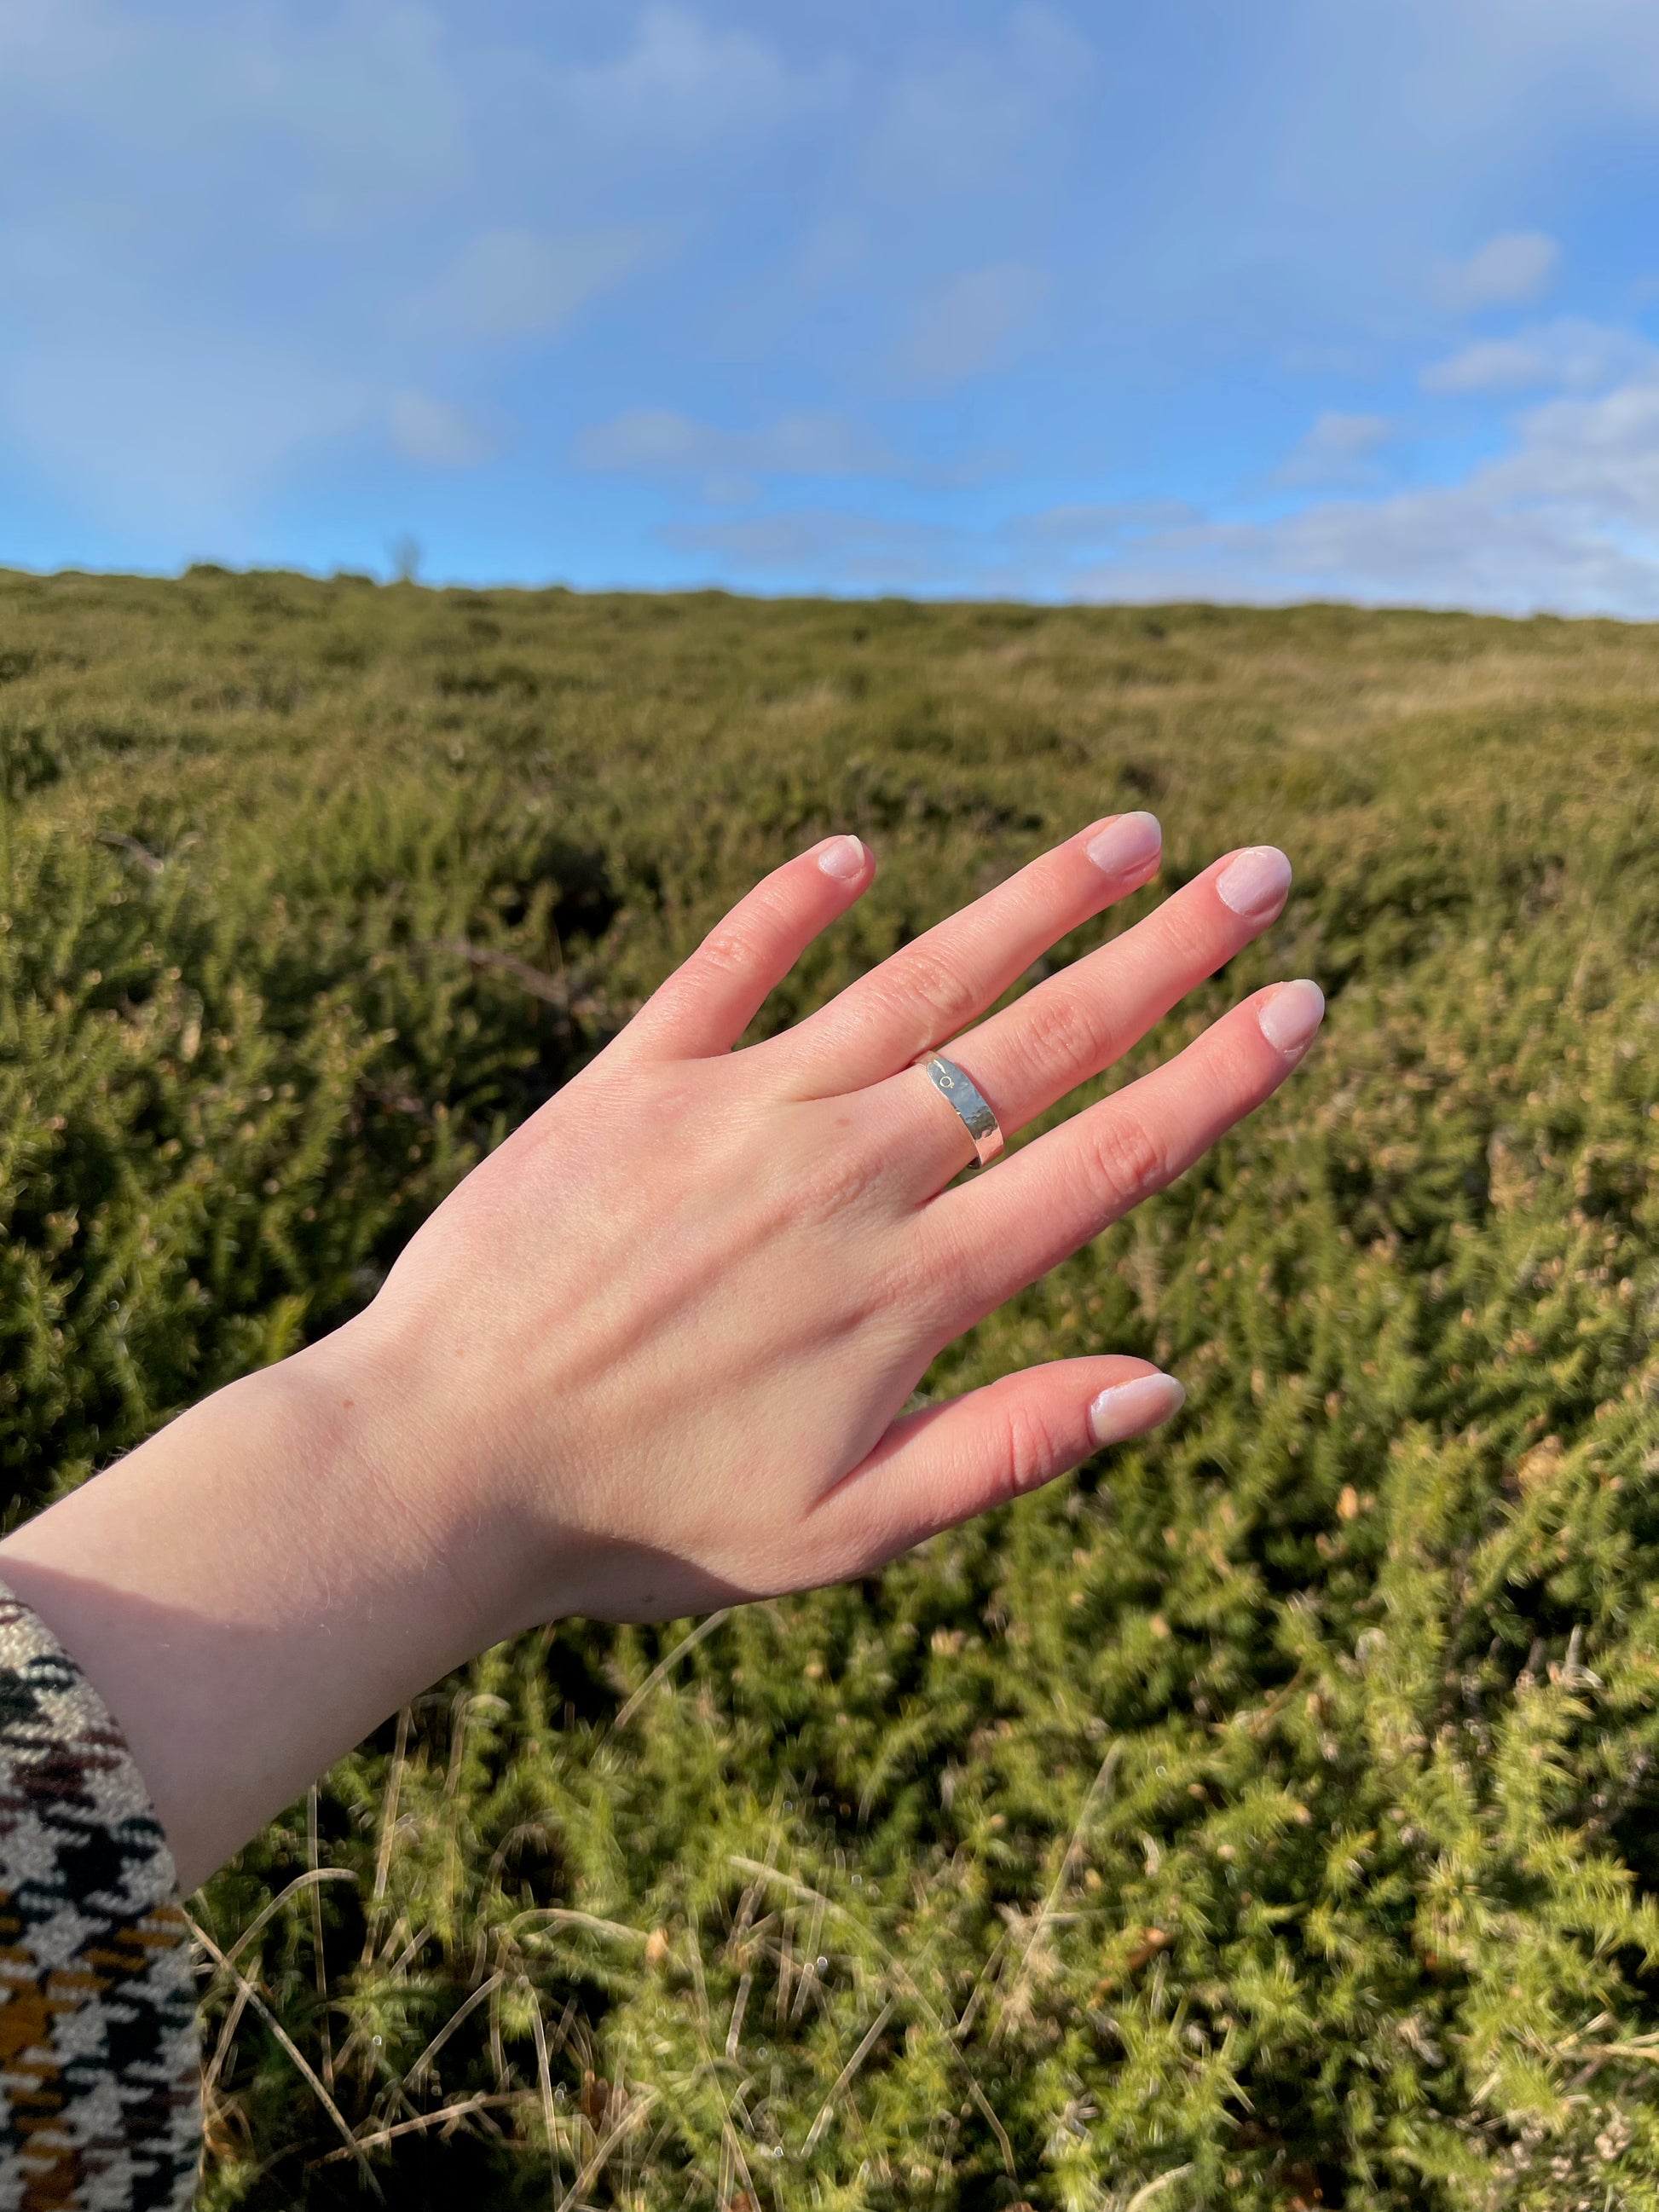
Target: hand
664,1335
654,1352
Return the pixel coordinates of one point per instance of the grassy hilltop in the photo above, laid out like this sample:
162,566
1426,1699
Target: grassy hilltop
1267,1817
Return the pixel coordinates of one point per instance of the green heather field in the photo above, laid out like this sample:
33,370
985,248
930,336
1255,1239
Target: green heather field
1268,1816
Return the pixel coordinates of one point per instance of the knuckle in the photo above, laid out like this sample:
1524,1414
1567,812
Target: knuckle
1028,1451
1188,932
727,951
1127,1159
920,977
1063,1030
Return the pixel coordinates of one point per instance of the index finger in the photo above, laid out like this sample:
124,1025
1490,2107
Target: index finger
933,988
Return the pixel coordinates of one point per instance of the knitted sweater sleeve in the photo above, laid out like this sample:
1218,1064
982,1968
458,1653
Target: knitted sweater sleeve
98,2073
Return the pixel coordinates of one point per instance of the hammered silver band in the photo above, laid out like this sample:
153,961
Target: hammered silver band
969,1103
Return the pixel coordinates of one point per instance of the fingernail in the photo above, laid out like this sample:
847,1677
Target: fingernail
1128,1409
843,857
1130,842
1255,881
1290,1018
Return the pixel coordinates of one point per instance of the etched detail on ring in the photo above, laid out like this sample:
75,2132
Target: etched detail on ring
969,1103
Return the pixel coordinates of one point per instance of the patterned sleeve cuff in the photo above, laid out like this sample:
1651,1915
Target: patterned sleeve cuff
98,2063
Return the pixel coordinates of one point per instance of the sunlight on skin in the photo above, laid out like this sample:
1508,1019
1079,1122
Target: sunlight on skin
651,1355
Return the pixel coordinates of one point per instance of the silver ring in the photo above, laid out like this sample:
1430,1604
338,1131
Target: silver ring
969,1103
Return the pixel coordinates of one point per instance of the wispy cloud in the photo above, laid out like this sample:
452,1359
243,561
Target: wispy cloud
661,441
1573,355
435,432
967,324
1340,448
1504,272
505,283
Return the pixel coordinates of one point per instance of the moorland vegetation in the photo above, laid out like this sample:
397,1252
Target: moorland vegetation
1268,1816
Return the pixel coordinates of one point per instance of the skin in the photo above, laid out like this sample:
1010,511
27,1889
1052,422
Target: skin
651,1355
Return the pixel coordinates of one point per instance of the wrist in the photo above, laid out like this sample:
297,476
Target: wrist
260,1585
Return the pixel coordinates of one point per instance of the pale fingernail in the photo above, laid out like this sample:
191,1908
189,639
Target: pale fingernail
1126,844
1255,881
1127,1409
1290,1018
843,857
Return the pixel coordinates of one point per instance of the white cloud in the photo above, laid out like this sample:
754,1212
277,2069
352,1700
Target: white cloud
1338,448
505,283
1567,520
1505,270
660,442
968,323
435,432
1572,355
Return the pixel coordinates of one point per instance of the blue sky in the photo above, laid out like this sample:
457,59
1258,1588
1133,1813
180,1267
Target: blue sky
1334,298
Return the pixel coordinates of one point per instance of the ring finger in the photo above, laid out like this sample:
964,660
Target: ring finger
1080,1022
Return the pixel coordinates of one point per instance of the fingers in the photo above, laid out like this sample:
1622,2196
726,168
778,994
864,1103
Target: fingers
924,994
709,1001
1027,1213
948,1462
1082,1020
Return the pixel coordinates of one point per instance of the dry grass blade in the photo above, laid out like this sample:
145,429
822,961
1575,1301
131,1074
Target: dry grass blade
606,2148
233,2019
388,1832
294,2052
906,1982
1142,2197
319,1960
480,1995
446,2115
545,2077
664,1666
1097,1790
306,1880
867,2044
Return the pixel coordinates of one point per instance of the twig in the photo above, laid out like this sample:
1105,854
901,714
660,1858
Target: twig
552,990
150,862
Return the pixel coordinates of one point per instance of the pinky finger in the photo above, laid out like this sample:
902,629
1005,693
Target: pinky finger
943,1465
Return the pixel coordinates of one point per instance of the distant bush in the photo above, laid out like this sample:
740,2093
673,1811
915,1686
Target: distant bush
1265,1817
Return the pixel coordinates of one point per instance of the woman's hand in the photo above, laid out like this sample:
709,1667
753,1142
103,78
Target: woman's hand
654,1352
666,1333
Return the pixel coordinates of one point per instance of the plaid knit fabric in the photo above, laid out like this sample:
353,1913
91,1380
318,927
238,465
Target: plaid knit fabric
98,2073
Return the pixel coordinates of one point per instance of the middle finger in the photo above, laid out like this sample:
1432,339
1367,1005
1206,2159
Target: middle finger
1080,1022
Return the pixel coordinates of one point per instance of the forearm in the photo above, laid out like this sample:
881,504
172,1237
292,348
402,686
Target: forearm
257,1588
